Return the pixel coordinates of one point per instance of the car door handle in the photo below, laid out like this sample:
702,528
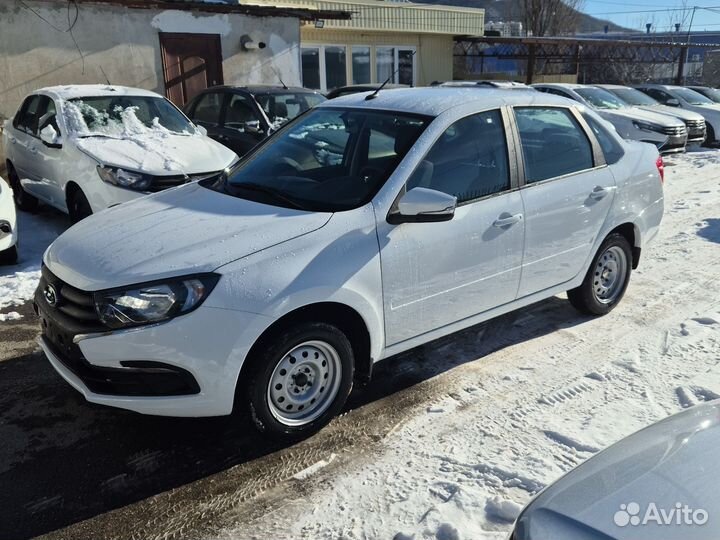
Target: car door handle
12,139
599,192
33,150
505,220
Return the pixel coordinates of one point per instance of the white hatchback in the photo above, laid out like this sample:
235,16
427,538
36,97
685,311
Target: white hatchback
363,228
85,148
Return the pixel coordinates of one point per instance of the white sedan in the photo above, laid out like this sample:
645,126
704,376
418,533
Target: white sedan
8,225
85,148
369,225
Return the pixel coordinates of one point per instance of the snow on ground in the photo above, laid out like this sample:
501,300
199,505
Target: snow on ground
18,282
510,423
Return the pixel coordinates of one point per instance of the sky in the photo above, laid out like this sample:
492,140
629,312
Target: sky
663,14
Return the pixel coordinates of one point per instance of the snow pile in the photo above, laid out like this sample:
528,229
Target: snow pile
11,316
36,233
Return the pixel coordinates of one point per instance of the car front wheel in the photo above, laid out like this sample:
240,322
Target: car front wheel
606,280
78,206
298,381
9,256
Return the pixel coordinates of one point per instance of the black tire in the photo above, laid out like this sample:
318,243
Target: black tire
586,298
23,200
9,256
709,141
78,206
254,389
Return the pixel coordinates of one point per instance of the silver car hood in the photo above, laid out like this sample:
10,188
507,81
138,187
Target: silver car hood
677,112
673,461
636,113
180,231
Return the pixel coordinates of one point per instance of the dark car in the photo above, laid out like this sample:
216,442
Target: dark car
357,88
241,116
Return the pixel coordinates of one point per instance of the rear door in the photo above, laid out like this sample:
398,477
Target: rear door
567,190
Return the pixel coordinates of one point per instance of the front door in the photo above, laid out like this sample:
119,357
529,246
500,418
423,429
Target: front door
191,63
436,274
567,196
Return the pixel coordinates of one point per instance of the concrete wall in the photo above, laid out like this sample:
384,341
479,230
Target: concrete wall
123,44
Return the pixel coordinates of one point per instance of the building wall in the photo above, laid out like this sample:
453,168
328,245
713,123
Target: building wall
434,52
122,45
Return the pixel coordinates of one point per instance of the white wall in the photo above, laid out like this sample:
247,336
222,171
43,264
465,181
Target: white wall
123,44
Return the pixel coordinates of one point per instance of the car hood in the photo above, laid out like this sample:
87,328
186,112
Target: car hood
161,154
175,232
673,461
635,113
677,112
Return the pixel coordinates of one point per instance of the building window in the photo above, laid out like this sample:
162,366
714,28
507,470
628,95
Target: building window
335,67
360,65
311,67
396,64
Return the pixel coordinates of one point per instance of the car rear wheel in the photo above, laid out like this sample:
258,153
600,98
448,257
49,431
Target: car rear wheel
23,200
298,381
78,206
606,280
9,256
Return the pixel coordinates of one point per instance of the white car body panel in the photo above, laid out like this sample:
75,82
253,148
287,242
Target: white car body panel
46,172
409,283
7,215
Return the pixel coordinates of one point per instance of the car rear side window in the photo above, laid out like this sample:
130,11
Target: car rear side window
207,110
469,160
610,147
553,143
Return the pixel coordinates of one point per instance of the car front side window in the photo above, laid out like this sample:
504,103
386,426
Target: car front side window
469,160
207,109
28,116
553,143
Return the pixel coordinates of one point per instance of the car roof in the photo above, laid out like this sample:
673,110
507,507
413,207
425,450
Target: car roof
610,86
569,86
433,101
484,83
93,90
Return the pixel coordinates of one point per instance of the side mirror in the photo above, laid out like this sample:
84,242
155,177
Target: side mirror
423,205
49,135
201,130
673,102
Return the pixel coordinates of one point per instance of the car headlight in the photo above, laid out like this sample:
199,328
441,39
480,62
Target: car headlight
647,126
123,178
153,302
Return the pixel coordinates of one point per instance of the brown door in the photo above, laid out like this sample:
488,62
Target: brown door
191,63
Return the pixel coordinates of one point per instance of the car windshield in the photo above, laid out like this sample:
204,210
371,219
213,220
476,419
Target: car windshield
116,116
691,96
634,97
329,159
280,108
601,99
712,94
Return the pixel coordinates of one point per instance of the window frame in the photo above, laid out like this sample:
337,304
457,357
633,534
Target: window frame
23,111
597,154
320,47
513,160
396,63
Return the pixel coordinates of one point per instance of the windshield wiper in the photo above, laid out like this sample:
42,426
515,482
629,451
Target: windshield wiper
278,196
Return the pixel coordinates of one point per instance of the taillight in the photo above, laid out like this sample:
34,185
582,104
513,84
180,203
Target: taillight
661,168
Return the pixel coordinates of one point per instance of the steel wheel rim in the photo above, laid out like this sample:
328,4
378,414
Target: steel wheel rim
609,276
304,383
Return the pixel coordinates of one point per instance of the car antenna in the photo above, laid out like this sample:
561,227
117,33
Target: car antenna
392,75
105,75
280,79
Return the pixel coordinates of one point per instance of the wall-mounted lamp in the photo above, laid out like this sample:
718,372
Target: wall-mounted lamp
319,23
248,44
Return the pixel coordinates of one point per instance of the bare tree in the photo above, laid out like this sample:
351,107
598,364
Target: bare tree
550,17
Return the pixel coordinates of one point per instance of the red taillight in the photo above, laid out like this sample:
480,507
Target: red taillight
661,168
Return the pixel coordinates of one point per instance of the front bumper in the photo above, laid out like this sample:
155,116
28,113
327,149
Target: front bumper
187,366
674,144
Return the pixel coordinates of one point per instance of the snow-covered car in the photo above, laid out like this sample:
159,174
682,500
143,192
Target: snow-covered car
667,133
690,100
241,116
361,229
8,225
85,148
660,482
694,122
